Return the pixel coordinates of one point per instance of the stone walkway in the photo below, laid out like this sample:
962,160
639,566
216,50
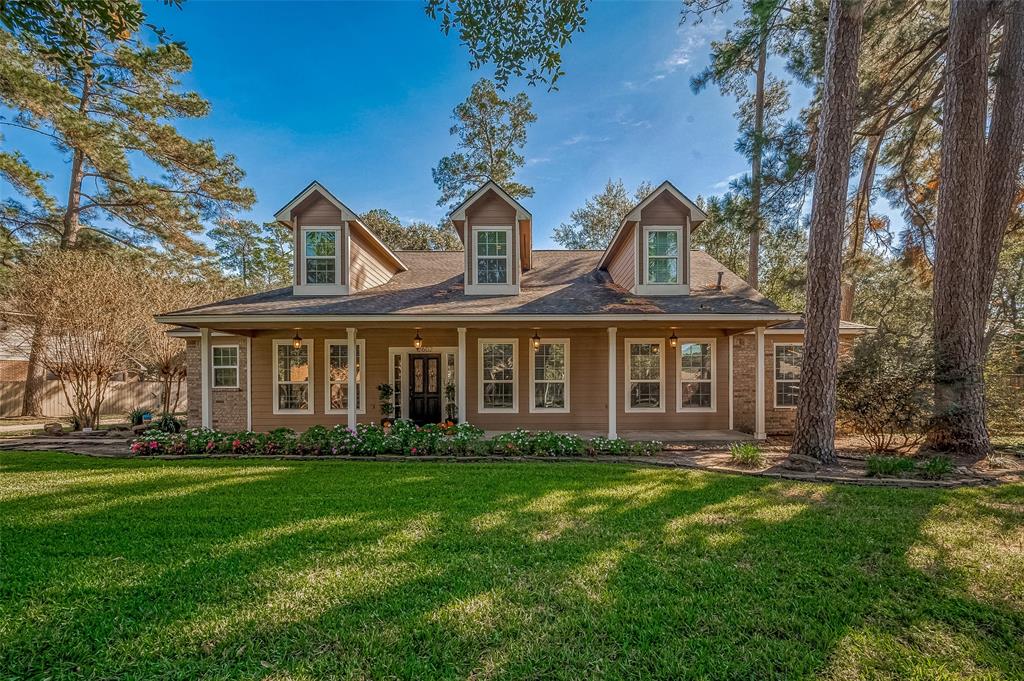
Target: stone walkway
848,470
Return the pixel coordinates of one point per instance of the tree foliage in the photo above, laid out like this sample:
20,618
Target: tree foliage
521,38
490,132
415,236
594,224
260,255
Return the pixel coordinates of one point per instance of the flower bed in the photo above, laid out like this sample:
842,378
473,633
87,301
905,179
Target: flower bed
402,438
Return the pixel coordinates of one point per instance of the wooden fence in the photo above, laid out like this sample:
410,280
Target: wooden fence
121,397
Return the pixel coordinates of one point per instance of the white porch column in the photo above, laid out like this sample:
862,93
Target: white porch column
206,407
759,433
730,382
351,337
612,400
460,375
248,382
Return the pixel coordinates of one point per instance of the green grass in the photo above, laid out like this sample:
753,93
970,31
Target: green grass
302,570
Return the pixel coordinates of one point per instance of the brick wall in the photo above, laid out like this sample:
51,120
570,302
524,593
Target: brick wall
13,370
230,410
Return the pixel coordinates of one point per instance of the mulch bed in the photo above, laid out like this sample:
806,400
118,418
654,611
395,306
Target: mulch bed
850,469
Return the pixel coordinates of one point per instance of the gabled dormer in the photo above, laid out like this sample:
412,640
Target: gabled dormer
335,253
650,253
496,233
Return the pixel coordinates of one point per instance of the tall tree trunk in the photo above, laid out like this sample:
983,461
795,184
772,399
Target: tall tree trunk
756,181
71,225
35,379
816,410
959,394
859,224
1004,152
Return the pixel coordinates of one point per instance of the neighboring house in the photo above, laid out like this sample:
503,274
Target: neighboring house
647,336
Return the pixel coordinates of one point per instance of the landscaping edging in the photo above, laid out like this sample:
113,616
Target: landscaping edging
776,473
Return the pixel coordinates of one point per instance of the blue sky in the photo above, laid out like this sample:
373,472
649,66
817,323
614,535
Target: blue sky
359,96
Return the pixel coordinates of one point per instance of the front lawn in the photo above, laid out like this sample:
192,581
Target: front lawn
295,570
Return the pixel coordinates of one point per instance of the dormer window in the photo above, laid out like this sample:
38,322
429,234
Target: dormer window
492,254
663,254
320,264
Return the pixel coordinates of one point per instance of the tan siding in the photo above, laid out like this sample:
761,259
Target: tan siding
490,210
667,210
368,268
622,264
316,211
587,366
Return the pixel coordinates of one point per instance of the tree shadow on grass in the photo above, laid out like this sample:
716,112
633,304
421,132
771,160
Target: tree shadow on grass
370,570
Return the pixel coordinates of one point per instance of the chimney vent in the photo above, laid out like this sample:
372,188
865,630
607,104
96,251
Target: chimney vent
720,275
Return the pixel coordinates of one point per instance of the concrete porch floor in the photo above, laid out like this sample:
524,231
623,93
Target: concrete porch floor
666,436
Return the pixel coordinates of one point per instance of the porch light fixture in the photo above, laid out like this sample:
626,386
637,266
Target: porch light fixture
417,342
297,340
673,340
536,340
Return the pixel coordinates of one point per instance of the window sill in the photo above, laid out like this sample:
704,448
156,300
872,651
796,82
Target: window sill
320,290
662,289
492,289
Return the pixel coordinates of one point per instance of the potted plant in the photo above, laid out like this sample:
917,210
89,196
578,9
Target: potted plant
385,396
451,409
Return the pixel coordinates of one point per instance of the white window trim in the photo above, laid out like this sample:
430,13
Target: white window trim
660,342
480,375
235,366
341,250
682,286
308,410
776,380
713,342
534,409
360,384
509,287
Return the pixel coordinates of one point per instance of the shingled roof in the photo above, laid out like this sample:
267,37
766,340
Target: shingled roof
561,283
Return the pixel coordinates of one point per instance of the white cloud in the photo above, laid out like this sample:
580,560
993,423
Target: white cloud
724,184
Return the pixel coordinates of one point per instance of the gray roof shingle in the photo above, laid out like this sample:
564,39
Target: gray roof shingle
560,283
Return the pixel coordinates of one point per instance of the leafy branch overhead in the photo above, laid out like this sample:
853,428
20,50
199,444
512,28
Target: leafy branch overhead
521,38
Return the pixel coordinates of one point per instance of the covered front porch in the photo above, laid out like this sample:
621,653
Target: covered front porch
679,381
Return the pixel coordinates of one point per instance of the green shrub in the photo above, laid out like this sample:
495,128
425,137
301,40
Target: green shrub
135,416
746,454
937,467
168,424
889,466
884,391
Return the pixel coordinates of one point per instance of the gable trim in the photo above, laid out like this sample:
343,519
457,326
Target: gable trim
459,212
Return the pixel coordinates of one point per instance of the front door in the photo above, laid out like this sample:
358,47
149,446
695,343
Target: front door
425,389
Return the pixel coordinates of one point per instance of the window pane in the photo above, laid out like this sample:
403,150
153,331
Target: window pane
293,396
292,364
223,377
498,361
550,362
320,271
787,394
492,243
662,270
696,395
338,369
498,395
663,243
645,395
695,363
225,356
644,361
321,244
492,271
549,395
788,359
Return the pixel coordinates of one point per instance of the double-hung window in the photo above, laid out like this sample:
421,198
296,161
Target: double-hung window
225,366
696,375
336,361
645,373
492,255
498,376
320,255
550,377
293,377
662,255
789,358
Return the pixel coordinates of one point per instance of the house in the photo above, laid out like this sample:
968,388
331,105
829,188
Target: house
647,336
